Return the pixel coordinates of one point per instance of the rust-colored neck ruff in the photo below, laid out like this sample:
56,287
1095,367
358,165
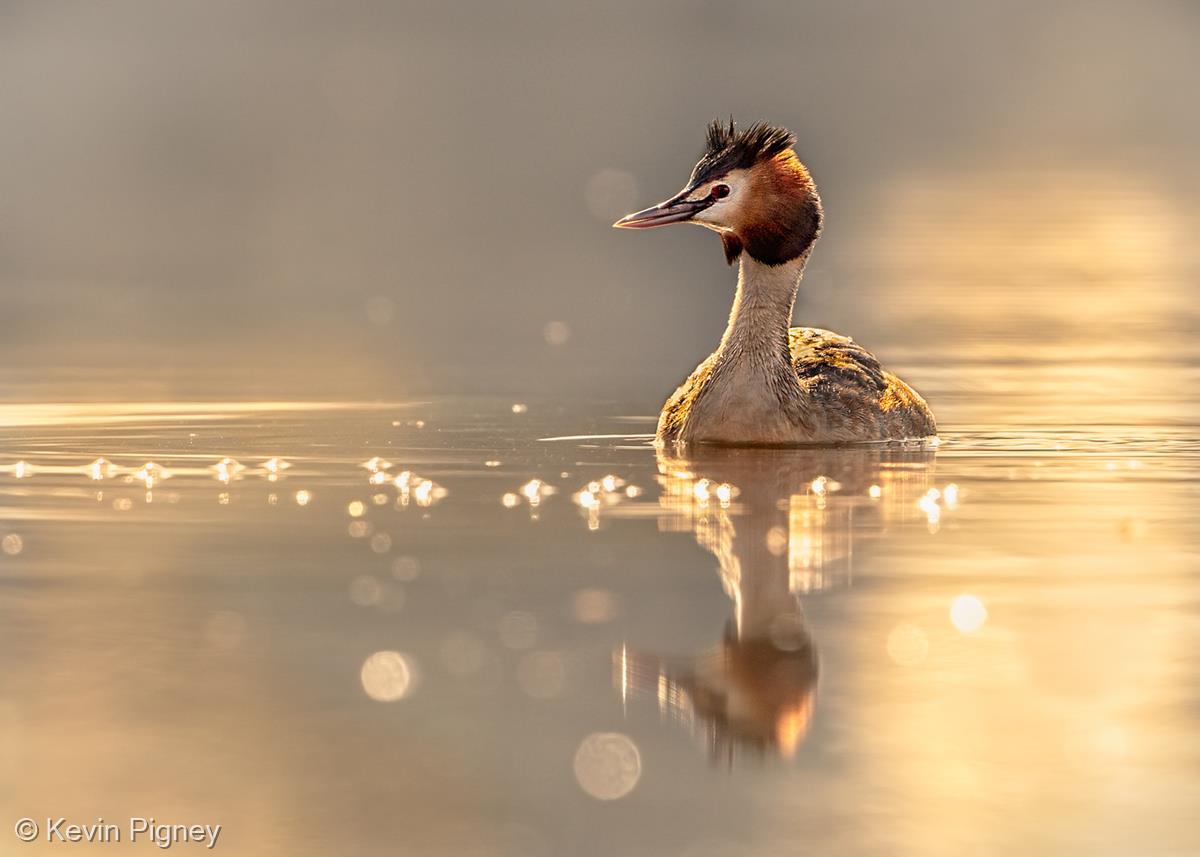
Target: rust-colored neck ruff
785,216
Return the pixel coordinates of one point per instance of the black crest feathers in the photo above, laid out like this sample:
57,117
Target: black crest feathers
726,148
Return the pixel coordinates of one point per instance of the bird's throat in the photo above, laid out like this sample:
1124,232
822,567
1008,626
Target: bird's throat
757,333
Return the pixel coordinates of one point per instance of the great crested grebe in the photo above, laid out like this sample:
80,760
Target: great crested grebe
768,383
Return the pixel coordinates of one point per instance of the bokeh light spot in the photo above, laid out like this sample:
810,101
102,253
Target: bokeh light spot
387,676
12,544
607,765
406,569
556,333
968,614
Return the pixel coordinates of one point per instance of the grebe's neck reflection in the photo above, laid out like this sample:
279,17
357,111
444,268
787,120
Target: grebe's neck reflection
781,523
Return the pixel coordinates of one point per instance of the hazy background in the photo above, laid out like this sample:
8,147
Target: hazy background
380,199
257,201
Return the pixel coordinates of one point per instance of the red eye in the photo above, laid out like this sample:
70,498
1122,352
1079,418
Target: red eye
719,191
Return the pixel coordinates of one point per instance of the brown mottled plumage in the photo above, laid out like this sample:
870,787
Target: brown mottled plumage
844,396
768,383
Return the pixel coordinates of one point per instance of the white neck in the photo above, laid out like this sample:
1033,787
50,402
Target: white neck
762,313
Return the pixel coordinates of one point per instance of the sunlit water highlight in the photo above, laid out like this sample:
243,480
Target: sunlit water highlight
465,627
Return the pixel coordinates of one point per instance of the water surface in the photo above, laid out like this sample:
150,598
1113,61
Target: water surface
486,627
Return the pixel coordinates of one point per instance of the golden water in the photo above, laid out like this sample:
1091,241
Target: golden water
464,627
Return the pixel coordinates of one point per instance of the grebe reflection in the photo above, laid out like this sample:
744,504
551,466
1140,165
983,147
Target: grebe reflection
781,523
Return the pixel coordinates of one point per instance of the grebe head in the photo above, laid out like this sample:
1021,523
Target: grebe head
750,187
